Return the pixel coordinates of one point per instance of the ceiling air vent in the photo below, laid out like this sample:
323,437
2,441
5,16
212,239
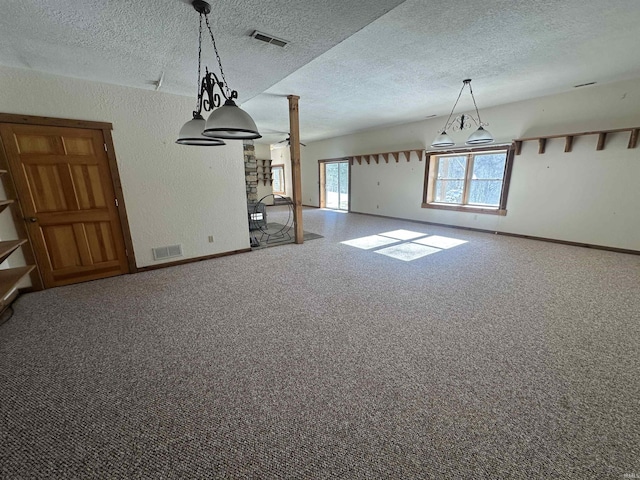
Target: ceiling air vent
268,39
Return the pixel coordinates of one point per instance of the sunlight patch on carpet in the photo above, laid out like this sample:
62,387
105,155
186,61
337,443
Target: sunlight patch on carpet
372,241
403,234
440,242
408,251
407,245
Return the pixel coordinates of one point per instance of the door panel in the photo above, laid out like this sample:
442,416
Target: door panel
46,189
61,242
78,146
40,144
100,240
86,179
66,191
332,186
343,197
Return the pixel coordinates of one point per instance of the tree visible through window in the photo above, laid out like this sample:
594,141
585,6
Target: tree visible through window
474,179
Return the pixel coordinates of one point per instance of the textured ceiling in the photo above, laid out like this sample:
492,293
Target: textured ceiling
131,42
410,63
355,64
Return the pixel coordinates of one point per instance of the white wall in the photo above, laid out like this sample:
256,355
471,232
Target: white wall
174,194
585,196
262,150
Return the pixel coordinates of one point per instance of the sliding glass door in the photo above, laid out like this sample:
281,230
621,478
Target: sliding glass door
334,185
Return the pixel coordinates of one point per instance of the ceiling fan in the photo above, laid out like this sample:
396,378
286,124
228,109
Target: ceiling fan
288,140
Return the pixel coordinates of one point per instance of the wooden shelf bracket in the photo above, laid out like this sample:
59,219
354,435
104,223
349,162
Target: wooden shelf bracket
386,155
569,138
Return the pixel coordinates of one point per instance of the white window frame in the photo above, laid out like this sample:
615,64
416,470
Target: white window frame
431,174
283,184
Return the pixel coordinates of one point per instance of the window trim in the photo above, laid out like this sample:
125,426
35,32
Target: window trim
430,173
284,185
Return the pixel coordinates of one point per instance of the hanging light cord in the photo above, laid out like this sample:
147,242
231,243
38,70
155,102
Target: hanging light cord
454,107
474,103
215,48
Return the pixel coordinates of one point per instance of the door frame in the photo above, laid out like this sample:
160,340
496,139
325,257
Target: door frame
321,173
106,128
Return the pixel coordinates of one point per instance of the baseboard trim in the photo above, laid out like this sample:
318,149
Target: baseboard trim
509,234
30,289
304,205
192,260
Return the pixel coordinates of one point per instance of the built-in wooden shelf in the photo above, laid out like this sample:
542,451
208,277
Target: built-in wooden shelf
8,247
9,278
4,204
568,145
265,174
385,156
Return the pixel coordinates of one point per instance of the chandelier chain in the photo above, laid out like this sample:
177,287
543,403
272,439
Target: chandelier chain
199,91
215,48
474,104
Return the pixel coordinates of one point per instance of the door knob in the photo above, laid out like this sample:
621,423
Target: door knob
31,219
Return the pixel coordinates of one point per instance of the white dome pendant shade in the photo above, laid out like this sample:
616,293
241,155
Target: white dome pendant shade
231,122
191,134
443,140
480,137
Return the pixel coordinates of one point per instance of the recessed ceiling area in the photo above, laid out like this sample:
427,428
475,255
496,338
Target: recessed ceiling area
354,68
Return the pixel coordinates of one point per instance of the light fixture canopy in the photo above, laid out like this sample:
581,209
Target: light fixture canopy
479,137
227,120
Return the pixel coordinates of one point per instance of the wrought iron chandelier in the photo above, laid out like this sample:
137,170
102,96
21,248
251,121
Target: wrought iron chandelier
461,122
227,120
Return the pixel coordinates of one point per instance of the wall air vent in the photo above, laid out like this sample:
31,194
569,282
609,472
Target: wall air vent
170,251
268,39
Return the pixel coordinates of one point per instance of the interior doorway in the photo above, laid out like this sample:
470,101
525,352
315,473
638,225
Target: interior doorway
335,184
66,181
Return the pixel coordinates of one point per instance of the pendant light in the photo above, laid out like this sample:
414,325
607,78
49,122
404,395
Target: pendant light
191,133
479,137
227,121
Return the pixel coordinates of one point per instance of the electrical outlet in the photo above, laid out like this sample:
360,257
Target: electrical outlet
210,238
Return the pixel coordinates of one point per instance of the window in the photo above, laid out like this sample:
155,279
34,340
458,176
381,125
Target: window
469,180
277,172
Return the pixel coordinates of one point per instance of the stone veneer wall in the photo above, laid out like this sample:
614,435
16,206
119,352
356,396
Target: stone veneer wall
251,172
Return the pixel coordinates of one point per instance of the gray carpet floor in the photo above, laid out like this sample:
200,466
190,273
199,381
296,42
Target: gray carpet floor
497,358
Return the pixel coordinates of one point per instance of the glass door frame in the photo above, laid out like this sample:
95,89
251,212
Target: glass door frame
322,182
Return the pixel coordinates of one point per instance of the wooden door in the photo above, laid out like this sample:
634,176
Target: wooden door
65,188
